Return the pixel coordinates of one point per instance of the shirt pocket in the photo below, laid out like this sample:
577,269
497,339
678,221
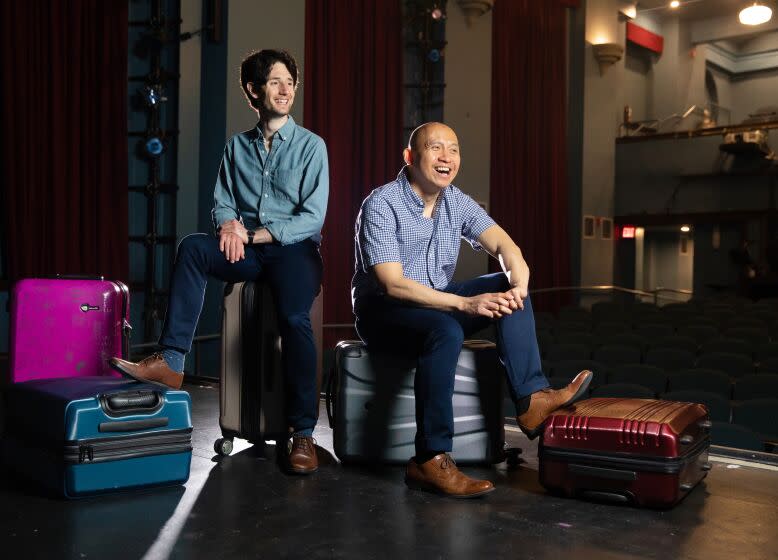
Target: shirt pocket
286,184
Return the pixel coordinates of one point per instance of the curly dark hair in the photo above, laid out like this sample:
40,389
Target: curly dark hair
256,67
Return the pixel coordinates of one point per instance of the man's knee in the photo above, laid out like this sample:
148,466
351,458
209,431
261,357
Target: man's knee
447,336
196,244
294,322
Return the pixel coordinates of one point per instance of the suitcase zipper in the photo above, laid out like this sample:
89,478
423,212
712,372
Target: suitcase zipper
668,465
113,449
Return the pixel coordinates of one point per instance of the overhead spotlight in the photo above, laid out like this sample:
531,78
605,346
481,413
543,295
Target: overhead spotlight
153,95
685,229
433,55
674,4
437,14
755,14
154,146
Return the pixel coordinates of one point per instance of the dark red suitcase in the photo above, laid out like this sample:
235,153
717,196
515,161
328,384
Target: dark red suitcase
647,452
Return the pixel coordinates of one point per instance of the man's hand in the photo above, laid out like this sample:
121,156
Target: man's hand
492,305
232,238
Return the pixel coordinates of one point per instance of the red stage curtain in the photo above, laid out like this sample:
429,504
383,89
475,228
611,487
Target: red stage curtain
353,99
64,137
528,190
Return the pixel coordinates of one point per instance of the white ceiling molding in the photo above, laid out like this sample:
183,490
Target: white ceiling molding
735,64
716,29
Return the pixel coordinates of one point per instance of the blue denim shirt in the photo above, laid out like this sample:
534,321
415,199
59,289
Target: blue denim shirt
285,190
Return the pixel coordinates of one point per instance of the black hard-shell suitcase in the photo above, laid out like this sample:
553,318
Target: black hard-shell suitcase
371,405
251,390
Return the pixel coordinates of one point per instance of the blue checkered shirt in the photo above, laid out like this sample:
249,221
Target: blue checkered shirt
391,228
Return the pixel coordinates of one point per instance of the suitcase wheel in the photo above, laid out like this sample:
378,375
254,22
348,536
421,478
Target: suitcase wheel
223,446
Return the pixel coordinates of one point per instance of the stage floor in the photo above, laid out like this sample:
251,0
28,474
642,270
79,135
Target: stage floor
244,507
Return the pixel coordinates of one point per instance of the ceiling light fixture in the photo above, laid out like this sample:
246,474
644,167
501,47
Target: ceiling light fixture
756,14
674,4
685,229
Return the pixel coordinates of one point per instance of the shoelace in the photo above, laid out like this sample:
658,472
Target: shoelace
153,357
447,462
303,443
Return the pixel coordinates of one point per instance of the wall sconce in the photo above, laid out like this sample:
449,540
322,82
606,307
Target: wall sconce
607,54
473,9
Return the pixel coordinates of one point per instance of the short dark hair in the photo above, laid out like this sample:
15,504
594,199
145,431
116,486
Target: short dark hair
256,67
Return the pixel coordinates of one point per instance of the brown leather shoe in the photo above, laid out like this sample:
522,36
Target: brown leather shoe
441,475
153,369
302,457
546,401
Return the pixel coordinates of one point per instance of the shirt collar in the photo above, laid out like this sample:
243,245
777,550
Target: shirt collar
283,133
410,194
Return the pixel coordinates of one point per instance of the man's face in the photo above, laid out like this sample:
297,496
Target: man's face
277,95
436,156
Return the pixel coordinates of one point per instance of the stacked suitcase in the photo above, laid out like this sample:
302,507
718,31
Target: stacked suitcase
251,387
88,435
71,424
642,451
68,327
374,406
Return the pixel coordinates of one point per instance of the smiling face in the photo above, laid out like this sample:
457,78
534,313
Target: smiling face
433,157
277,95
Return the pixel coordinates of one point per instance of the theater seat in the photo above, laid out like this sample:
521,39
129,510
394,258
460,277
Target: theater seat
757,386
760,415
733,365
717,405
669,359
623,390
732,435
613,354
652,377
710,380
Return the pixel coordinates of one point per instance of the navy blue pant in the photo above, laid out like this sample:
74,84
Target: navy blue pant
436,337
294,274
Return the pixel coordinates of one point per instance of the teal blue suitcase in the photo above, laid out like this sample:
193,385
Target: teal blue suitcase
90,435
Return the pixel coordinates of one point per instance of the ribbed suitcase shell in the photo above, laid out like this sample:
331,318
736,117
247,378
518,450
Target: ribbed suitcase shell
65,434
252,386
374,405
648,452
65,327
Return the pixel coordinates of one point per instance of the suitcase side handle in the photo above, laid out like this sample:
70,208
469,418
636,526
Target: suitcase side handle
126,403
78,277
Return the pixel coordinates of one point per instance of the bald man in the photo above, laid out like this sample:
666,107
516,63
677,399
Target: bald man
407,241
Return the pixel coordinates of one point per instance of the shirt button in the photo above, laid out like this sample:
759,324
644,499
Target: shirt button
263,213
267,172
265,195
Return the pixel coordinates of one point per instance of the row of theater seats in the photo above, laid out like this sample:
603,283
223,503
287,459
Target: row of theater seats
721,354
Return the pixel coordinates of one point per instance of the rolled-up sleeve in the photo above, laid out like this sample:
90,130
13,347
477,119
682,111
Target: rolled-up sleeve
377,233
308,218
224,205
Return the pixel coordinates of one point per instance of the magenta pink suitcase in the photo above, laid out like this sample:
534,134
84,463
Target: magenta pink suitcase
67,327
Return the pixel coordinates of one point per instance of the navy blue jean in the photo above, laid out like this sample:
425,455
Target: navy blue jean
294,274
436,337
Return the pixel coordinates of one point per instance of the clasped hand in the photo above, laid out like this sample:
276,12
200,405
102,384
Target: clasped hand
494,305
233,237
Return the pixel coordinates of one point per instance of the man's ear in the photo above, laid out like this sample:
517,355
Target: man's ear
408,156
252,92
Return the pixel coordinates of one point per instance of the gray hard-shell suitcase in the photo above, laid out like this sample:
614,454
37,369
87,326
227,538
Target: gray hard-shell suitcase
251,388
371,405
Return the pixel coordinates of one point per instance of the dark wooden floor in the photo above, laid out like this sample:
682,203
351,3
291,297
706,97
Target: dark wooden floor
244,507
